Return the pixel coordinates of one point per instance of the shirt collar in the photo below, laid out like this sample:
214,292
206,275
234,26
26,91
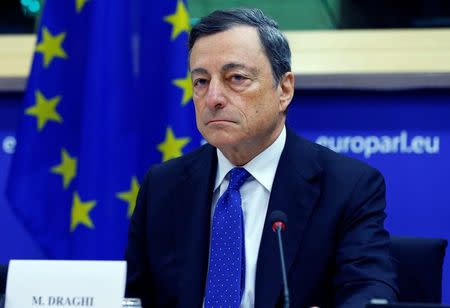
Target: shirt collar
262,167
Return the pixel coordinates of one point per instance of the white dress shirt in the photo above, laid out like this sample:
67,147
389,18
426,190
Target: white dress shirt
255,193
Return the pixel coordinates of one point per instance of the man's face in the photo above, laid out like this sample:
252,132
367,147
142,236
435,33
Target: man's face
238,107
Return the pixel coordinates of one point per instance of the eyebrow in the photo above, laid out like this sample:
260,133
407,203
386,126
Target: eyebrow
231,66
199,70
227,67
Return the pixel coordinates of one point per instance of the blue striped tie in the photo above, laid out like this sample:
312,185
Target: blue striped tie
226,274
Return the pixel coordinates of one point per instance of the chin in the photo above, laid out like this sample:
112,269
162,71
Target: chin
221,140
223,135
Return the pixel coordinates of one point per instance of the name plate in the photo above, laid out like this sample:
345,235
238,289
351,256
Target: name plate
50,284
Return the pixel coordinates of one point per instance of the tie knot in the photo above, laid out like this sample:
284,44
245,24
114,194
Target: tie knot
237,177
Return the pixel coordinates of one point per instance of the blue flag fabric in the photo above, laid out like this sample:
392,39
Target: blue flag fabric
109,94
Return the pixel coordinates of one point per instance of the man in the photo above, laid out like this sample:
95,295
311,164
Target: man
200,233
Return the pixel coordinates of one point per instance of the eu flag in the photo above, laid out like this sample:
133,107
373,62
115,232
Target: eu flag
109,94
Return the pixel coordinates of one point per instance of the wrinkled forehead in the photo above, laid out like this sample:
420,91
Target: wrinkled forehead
237,44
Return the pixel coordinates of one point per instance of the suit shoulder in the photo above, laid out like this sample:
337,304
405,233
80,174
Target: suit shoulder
177,166
338,164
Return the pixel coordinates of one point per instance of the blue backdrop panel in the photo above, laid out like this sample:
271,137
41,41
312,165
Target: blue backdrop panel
405,134
15,241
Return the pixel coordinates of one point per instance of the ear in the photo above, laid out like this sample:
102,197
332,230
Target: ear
286,87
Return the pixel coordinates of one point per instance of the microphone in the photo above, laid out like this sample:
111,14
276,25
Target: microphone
279,220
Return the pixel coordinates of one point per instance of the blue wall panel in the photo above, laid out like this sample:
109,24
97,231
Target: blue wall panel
16,242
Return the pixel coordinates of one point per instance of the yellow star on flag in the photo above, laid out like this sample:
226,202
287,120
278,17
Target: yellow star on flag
172,147
80,4
50,46
179,20
80,212
67,168
186,85
44,109
130,196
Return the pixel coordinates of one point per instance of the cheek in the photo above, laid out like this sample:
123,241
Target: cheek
198,107
265,113
198,115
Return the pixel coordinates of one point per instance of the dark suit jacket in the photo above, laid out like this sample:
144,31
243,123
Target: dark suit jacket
3,276
337,250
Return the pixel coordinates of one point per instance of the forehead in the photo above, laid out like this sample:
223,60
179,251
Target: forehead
239,44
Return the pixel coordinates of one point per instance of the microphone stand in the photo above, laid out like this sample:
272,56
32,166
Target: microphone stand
283,267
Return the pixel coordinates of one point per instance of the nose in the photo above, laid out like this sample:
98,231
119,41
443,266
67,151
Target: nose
215,97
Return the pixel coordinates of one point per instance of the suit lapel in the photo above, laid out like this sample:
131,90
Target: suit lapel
192,216
295,191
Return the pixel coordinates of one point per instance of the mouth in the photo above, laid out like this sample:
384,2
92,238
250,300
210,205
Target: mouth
219,121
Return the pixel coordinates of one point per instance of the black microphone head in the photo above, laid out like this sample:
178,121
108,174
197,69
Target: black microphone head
278,219
278,216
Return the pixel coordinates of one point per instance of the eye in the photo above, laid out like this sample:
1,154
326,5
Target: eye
199,82
239,81
237,78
